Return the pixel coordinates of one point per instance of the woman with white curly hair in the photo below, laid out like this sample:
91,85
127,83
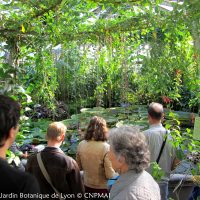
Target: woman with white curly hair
130,157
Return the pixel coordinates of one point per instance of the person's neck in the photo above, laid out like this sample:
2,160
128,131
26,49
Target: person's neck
3,152
124,169
155,122
54,144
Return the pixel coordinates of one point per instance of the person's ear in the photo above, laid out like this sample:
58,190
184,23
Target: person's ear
121,159
62,137
163,117
149,118
12,133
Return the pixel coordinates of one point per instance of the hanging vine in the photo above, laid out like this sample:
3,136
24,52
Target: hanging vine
100,43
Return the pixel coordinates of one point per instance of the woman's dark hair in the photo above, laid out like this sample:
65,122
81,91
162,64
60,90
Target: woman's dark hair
97,129
9,116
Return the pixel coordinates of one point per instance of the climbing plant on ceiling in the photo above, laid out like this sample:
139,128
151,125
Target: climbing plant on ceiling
120,68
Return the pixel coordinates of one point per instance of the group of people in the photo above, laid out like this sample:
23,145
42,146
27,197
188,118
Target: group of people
121,154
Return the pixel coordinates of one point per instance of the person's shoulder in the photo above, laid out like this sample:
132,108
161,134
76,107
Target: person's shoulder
151,183
18,181
71,164
146,131
32,158
105,144
147,175
28,183
102,146
155,130
148,178
67,158
16,174
82,143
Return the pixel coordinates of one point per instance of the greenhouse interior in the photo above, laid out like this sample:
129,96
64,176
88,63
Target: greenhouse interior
74,61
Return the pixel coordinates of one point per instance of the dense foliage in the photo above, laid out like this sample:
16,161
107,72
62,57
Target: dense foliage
101,53
89,53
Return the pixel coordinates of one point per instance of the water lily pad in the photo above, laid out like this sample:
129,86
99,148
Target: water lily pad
85,109
116,110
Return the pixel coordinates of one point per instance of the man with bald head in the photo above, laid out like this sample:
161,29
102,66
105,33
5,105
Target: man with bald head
155,136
